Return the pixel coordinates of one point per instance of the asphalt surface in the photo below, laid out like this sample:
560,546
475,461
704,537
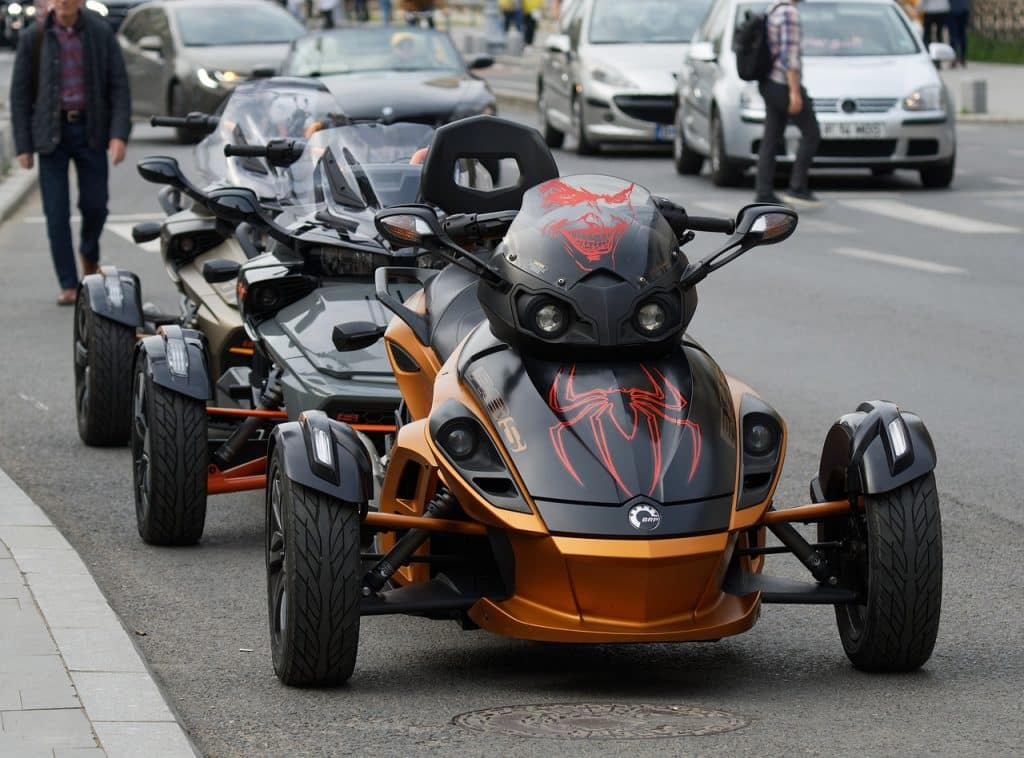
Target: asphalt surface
816,325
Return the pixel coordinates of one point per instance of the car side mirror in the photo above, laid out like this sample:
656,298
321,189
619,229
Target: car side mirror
480,61
235,204
357,335
703,52
764,225
410,226
941,52
558,43
151,43
161,169
220,270
147,231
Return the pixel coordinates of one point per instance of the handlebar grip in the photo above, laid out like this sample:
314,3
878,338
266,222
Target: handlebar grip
711,224
167,121
246,151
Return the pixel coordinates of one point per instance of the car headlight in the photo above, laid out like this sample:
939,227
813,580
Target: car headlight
214,79
611,77
751,103
924,99
15,8
97,7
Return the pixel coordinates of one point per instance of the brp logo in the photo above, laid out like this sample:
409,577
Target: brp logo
644,517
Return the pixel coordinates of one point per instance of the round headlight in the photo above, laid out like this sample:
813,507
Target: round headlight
759,439
650,317
459,441
550,319
265,298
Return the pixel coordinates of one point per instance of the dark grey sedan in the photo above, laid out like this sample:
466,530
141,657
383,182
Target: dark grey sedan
394,73
187,55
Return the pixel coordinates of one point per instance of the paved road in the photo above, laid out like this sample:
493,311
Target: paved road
889,292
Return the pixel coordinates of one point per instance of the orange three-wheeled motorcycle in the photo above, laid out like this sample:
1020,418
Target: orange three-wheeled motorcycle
570,465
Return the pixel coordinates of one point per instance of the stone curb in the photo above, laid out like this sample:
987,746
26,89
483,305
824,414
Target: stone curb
106,684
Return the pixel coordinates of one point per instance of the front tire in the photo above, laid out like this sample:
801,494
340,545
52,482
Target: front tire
687,162
579,131
893,553
314,577
553,137
103,375
939,176
170,457
724,172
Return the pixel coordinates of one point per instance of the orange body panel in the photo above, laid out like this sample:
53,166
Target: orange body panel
417,387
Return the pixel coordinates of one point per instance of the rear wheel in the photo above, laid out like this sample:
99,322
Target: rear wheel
103,375
688,163
939,176
169,455
579,131
724,172
893,554
552,136
314,577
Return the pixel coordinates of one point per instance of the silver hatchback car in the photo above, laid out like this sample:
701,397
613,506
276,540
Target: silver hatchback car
879,100
609,75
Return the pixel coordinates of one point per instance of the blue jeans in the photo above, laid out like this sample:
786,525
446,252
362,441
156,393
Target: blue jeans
91,169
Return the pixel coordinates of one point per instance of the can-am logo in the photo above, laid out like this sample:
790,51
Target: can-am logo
644,517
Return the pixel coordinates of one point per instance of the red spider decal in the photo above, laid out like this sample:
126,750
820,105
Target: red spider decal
591,237
662,402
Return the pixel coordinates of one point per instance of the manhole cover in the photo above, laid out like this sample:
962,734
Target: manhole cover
600,721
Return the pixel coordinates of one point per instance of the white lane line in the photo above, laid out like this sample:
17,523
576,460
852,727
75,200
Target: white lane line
820,226
124,231
112,218
929,217
1008,180
1017,152
727,210
37,404
898,260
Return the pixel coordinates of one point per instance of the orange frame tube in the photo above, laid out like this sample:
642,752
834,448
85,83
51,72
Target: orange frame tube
811,512
394,521
251,475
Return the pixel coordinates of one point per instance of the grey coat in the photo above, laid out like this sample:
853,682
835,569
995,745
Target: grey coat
36,116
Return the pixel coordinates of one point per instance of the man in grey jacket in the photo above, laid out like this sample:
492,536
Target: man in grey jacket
70,102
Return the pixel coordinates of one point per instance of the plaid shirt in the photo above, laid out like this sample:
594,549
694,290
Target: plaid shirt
785,34
72,72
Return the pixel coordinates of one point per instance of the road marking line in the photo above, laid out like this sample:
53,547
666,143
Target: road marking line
39,406
113,218
124,231
929,217
819,226
1018,153
898,260
1009,180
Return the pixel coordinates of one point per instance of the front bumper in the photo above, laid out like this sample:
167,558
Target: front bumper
627,115
896,139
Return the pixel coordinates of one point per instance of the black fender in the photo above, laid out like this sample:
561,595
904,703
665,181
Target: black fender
863,454
115,294
189,371
347,476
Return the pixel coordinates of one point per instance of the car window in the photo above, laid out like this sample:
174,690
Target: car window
236,24
138,25
717,12
373,49
160,27
644,21
570,10
849,29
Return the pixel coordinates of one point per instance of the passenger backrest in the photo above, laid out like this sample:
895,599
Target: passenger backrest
488,140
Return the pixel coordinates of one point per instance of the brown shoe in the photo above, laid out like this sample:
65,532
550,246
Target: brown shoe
67,297
89,267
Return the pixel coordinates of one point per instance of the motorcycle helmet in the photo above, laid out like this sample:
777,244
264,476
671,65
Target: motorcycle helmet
589,264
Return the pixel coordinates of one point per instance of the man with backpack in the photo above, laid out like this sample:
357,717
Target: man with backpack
784,99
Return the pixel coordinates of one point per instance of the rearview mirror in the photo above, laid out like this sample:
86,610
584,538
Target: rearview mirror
161,169
220,270
941,52
147,231
151,43
703,52
409,226
235,204
357,335
765,224
558,43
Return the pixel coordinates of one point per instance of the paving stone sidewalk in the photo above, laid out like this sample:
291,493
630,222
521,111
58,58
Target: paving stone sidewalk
72,684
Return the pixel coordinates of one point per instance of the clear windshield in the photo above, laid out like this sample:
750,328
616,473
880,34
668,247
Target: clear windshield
255,113
645,21
251,24
361,166
853,29
347,51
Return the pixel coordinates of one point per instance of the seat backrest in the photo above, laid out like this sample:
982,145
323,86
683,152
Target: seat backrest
488,140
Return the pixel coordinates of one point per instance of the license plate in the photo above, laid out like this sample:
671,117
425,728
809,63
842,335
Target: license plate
856,129
664,132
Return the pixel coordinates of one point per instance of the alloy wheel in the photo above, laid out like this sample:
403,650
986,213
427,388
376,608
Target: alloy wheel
276,557
141,447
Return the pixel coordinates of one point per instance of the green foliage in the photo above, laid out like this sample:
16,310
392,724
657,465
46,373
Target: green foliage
985,50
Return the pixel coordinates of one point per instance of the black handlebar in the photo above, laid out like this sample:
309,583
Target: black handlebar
195,121
278,152
681,221
710,224
246,151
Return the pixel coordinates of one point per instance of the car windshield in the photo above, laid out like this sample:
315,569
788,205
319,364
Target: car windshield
645,21
255,113
849,29
236,24
348,51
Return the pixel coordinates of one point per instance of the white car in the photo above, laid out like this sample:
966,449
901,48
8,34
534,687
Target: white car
879,100
609,75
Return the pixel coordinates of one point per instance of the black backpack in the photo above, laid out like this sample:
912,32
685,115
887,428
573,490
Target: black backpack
750,43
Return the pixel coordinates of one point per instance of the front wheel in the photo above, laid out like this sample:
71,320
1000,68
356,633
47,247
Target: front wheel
939,176
579,129
103,375
687,162
892,553
553,137
724,172
314,577
169,456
